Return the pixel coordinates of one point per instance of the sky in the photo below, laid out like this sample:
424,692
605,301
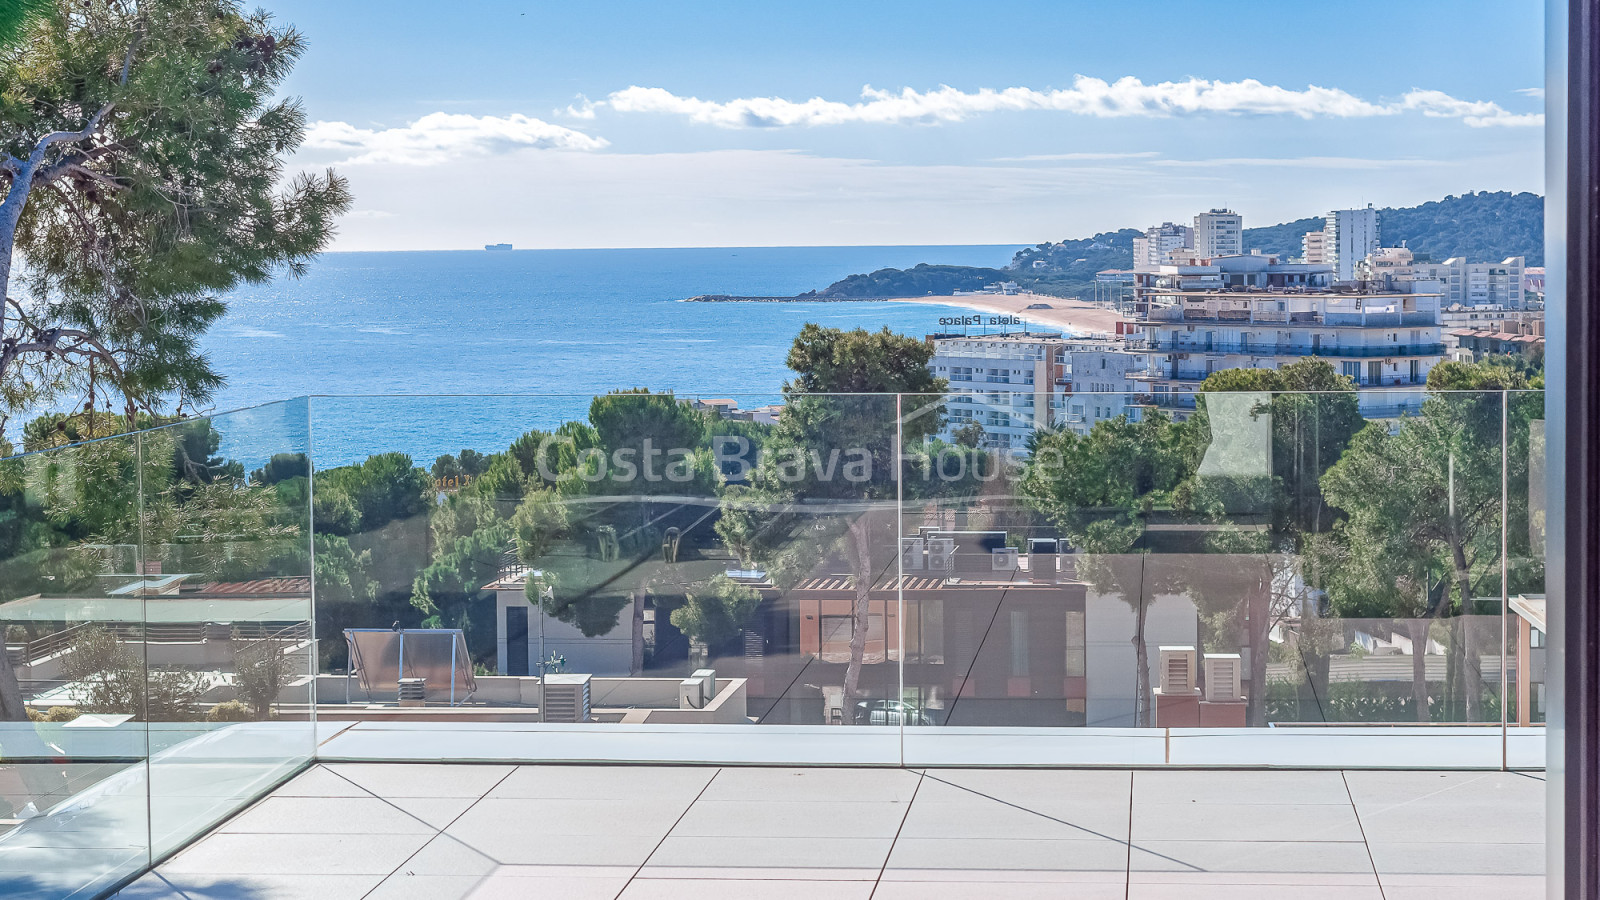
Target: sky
668,124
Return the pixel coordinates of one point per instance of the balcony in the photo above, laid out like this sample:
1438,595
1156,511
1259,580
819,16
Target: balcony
1377,351
696,610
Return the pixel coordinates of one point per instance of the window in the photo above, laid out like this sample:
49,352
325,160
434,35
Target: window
836,632
1019,643
1076,644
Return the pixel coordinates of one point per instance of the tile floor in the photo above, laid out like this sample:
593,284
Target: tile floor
385,831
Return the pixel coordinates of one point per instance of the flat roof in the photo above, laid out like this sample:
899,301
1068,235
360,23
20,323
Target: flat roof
157,610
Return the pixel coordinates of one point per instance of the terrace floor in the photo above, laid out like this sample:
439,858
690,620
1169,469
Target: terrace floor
442,831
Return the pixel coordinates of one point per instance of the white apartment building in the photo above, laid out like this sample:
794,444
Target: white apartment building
1094,383
1219,232
1000,382
1458,282
1256,271
1385,342
1314,248
1350,236
1156,247
1012,384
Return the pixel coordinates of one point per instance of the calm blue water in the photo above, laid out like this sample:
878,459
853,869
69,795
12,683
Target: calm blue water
551,322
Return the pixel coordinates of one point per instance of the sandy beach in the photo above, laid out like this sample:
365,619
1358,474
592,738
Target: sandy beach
1073,316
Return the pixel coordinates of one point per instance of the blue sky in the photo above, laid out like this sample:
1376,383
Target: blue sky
705,124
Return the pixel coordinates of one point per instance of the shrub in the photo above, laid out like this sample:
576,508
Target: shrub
231,711
62,714
260,672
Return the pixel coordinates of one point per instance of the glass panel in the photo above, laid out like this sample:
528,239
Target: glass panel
227,591
1246,560
73,743
660,560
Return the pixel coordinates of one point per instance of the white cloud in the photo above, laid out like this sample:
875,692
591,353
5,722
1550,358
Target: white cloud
1125,97
735,197
583,108
1475,113
439,137
1536,92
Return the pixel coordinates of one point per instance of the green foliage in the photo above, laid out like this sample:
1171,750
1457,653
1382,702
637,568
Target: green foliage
1070,265
1100,488
1284,240
129,236
540,520
470,464
918,281
1313,413
113,679
969,435
282,467
717,613
1486,226
16,16
369,495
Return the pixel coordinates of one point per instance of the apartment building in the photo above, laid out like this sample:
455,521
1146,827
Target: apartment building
1219,232
1314,248
1493,318
1165,285
1012,384
1159,242
1349,236
1094,382
1385,342
1457,281
1000,382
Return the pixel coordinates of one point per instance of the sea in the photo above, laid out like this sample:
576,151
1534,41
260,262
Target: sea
428,353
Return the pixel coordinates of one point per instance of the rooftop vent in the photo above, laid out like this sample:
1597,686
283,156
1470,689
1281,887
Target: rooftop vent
566,699
1177,670
1223,677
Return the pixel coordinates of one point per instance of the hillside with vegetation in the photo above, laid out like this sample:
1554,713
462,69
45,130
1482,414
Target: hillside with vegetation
1483,226
917,281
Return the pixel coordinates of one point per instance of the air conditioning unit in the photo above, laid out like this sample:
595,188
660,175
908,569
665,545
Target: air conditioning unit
708,683
941,554
913,552
566,699
1224,673
1003,559
1177,670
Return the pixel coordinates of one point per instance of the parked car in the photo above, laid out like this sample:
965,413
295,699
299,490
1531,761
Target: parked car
889,712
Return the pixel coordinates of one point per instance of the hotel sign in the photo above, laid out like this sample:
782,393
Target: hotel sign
964,321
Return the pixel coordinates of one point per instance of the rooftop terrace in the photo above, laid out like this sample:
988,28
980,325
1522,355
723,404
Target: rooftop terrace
451,831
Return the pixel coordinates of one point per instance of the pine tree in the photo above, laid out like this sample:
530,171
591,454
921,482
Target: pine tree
143,156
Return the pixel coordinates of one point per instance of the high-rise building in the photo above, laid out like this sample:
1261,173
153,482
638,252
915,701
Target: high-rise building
1156,247
1350,236
1219,232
